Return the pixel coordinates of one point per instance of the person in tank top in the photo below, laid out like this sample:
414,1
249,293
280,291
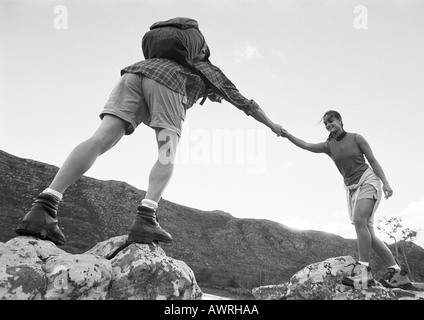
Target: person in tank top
365,183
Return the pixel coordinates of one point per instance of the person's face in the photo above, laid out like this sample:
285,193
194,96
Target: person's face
332,124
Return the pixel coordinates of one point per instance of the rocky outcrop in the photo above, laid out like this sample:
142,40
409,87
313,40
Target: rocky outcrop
33,269
322,281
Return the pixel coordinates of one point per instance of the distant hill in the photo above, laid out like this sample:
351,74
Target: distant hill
222,250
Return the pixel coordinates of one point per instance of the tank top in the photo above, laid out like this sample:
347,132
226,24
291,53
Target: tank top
348,157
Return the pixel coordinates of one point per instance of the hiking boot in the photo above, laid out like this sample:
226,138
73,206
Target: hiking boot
146,229
395,278
41,220
360,277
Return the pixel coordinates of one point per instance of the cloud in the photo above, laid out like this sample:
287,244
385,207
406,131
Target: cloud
245,52
414,211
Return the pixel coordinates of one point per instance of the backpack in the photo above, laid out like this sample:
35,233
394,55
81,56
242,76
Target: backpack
178,39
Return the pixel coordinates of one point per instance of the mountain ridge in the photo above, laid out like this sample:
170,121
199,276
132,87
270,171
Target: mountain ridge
221,249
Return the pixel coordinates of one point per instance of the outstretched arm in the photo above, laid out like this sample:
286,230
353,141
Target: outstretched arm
222,88
312,147
366,149
260,115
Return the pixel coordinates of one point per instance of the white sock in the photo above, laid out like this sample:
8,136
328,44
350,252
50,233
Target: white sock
53,193
364,263
149,203
396,266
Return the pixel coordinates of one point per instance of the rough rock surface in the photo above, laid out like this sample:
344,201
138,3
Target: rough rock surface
144,272
33,269
322,281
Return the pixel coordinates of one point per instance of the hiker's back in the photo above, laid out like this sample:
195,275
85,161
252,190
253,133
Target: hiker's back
178,39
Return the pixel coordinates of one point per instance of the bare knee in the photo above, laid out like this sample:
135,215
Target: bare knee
108,134
360,223
363,212
102,143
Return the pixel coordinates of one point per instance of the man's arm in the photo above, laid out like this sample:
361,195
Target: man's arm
223,88
259,115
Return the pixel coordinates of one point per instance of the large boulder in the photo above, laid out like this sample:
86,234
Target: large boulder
34,269
144,272
322,281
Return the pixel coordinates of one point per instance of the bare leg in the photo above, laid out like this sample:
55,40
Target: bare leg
145,228
362,212
41,220
85,154
162,170
381,249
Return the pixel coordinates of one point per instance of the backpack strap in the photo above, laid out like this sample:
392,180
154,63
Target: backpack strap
205,81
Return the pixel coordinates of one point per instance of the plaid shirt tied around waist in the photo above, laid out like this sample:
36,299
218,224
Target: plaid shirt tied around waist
186,82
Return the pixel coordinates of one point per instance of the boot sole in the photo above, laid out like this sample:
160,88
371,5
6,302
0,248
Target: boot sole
146,239
407,286
26,228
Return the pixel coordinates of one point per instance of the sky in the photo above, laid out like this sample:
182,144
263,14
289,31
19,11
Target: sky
59,61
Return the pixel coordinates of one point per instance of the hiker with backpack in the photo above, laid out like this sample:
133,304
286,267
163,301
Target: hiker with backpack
157,91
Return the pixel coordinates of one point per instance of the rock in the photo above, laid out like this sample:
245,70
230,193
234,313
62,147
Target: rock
322,281
378,292
144,272
319,281
208,296
34,269
270,292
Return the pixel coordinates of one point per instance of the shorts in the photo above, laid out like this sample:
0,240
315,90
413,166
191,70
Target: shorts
367,191
137,99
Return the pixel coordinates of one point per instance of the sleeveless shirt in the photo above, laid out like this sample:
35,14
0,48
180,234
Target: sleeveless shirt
348,157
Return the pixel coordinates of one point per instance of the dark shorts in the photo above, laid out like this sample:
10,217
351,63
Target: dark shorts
136,99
